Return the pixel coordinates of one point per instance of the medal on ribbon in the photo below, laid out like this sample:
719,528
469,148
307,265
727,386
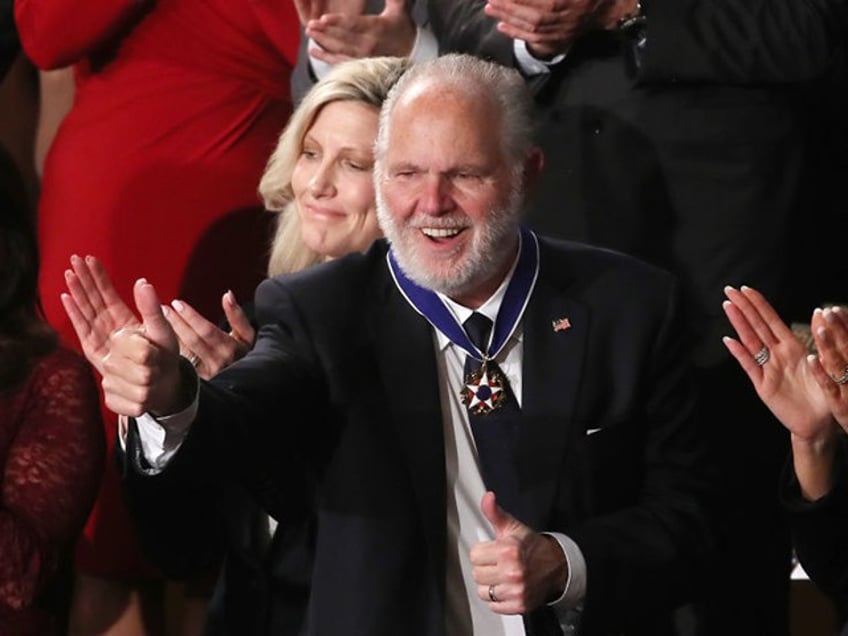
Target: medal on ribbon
485,389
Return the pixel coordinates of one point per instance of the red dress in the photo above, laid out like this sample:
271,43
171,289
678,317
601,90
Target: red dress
155,169
51,457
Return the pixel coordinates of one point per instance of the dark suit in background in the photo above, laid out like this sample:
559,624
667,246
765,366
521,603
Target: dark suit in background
693,153
336,411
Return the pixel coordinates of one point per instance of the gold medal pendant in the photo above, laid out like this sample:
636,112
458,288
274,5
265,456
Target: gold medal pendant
484,390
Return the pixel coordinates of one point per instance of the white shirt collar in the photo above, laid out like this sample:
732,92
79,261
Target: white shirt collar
489,308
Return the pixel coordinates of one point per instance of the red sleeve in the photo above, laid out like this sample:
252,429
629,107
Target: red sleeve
51,475
57,33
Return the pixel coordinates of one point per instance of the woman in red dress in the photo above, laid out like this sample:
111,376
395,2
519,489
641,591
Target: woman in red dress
178,105
51,437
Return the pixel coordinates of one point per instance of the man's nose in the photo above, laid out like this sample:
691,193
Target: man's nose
436,194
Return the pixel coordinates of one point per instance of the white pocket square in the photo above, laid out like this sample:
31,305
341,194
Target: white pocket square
592,431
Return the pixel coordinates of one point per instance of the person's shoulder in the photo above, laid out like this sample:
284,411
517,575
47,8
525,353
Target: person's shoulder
347,277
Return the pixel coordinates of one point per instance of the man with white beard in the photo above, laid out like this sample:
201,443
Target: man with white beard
493,430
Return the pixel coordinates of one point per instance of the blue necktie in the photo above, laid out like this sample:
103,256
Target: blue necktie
495,433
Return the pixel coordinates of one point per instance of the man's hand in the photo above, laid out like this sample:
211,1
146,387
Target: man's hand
523,568
313,9
141,371
549,27
347,35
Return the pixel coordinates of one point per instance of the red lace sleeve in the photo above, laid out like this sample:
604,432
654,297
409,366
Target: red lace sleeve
52,453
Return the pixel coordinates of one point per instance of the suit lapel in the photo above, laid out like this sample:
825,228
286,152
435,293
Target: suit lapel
406,360
553,358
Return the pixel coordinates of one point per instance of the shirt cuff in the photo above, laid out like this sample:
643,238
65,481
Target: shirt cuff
320,68
161,437
530,65
426,47
570,603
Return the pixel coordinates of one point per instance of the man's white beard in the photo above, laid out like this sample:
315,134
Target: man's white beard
489,249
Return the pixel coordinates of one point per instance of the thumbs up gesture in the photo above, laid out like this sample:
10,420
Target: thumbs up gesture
520,569
141,372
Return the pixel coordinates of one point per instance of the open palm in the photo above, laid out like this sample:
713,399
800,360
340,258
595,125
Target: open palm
94,308
786,381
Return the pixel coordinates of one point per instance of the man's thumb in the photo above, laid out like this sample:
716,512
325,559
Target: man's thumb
501,521
156,328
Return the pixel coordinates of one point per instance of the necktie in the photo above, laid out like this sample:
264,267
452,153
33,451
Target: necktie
496,432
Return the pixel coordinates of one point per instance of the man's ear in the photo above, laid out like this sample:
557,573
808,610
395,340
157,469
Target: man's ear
533,166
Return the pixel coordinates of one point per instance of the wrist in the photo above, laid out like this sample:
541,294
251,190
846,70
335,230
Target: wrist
813,460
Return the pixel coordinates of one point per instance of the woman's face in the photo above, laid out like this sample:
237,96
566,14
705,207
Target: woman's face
332,180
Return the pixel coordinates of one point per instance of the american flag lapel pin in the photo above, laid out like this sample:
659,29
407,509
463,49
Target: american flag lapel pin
561,324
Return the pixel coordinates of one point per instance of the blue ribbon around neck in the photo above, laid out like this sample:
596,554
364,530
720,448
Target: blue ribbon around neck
518,292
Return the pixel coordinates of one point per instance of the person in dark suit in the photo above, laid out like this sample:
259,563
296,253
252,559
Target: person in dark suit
679,131
809,395
551,476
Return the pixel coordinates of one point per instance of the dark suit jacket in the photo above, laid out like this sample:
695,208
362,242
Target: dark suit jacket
336,413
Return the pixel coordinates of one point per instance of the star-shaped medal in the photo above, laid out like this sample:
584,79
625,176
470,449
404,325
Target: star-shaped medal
484,390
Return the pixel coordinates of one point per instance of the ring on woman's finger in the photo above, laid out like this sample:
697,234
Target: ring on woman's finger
194,360
762,356
492,596
841,379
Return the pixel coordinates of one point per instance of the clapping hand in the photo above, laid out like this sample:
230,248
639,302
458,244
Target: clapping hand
550,28
777,364
830,330
209,348
137,359
349,34
94,308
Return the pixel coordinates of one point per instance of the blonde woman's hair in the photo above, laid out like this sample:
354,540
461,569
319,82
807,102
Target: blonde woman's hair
367,80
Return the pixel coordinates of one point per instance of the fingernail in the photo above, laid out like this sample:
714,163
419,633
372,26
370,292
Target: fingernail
828,315
89,259
68,274
745,288
141,281
728,288
817,310
837,309
231,297
811,358
178,305
820,331
165,309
